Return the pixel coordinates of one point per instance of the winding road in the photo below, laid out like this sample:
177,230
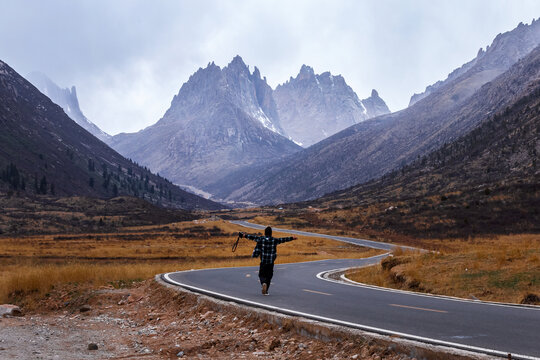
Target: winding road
299,289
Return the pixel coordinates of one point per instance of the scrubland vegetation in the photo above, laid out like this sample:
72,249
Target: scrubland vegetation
505,268
499,268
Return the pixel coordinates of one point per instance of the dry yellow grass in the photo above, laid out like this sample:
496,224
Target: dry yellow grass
499,269
34,264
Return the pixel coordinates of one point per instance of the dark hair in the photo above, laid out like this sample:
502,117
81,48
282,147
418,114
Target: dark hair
268,231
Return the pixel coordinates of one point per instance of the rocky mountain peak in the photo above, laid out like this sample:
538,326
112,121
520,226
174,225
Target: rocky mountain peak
211,67
312,107
202,75
480,52
233,84
238,64
374,105
257,74
220,120
67,99
306,72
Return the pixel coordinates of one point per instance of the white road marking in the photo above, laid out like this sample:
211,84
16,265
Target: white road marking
418,308
349,282
317,292
347,323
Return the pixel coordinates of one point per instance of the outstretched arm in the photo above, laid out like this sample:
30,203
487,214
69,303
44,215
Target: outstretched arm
286,239
248,236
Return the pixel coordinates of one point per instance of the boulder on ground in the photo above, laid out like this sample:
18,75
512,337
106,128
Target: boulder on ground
531,299
10,310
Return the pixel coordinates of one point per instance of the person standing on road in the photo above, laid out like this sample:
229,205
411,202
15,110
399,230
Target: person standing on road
266,248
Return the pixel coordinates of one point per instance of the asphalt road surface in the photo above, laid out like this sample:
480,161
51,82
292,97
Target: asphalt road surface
494,329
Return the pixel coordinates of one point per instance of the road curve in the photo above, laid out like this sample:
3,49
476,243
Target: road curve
494,329
361,242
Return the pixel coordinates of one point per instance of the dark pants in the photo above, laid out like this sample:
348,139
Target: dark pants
266,271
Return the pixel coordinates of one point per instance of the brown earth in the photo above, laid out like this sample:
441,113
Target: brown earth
152,322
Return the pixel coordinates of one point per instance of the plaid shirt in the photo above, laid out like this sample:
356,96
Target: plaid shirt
266,247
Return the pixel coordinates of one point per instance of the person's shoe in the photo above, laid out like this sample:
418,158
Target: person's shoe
264,289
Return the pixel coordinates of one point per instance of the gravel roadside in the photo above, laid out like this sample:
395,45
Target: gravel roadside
151,322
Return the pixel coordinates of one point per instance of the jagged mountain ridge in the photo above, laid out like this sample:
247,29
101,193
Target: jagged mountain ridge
313,107
505,50
375,105
226,120
221,120
368,150
45,152
67,100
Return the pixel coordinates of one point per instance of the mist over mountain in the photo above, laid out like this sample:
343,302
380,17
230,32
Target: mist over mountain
67,99
44,152
376,146
313,107
221,120
505,50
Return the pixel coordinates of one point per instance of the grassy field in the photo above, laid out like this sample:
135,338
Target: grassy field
32,265
504,268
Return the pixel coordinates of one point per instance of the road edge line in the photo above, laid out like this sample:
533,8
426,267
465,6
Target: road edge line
165,277
350,282
354,283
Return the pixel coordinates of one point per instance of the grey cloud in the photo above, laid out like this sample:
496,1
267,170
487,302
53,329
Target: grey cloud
129,58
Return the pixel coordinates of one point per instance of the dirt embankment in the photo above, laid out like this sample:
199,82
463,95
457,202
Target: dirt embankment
152,322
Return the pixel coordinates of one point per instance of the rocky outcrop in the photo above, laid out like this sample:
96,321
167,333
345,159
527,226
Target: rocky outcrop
313,107
10,310
67,99
374,105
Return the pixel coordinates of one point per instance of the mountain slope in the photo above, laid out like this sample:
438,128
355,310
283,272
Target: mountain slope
376,146
505,50
221,120
312,107
487,181
67,99
45,152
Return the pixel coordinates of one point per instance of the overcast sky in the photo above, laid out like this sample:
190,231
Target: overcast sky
128,58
